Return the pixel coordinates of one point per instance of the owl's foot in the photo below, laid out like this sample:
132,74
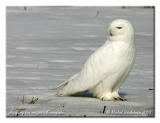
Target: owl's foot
106,98
120,98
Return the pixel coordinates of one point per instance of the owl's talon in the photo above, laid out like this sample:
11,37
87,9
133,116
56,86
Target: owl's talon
115,98
120,98
102,99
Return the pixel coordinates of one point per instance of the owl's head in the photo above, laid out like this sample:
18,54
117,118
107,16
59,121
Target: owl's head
120,29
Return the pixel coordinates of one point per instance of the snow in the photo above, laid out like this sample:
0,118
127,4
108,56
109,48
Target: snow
46,45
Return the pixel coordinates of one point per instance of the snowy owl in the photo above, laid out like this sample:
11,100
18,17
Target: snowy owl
106,69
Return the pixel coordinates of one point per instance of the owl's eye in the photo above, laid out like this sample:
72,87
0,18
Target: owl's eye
119,27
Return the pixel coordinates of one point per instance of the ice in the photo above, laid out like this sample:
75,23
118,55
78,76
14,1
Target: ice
47,45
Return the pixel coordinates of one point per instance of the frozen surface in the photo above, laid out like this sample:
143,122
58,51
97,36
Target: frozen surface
46,45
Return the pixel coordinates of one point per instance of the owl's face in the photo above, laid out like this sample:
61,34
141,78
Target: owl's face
120,28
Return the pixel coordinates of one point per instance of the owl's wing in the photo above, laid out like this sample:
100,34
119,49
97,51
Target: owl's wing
92,73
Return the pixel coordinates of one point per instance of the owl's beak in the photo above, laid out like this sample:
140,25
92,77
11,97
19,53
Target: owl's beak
110,32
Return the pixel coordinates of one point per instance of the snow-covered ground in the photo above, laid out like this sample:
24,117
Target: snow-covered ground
46,45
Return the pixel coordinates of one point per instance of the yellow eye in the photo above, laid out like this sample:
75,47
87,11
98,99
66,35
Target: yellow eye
119,27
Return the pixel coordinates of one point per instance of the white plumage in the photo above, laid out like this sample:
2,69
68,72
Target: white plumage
108,67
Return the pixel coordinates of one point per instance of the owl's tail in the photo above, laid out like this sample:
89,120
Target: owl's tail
65,82
60,85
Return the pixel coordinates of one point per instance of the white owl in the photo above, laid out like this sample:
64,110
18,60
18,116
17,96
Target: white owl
107,68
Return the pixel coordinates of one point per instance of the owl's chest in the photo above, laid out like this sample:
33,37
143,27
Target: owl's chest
123,50
123,54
